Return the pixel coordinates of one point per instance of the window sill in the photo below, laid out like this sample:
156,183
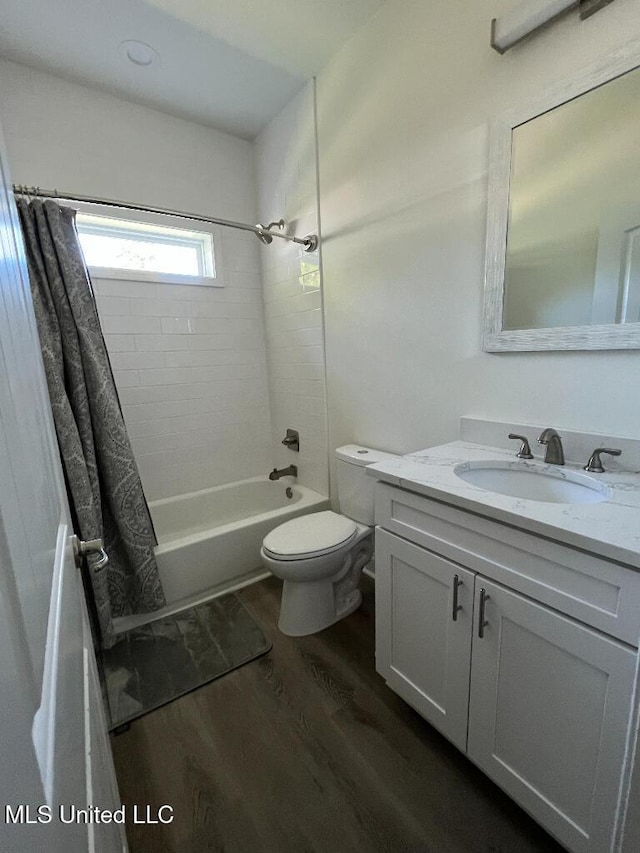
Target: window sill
154,277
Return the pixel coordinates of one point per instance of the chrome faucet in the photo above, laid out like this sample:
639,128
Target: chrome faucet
554,454
291,471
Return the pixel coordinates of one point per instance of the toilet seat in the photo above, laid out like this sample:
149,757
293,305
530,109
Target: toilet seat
310,536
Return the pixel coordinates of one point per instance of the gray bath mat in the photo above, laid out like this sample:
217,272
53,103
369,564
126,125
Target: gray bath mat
165,659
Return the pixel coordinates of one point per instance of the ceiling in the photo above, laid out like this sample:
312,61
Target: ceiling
229,64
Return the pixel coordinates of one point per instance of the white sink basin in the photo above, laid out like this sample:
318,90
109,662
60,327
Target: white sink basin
523,480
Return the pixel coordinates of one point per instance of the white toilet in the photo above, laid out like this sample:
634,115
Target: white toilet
320,556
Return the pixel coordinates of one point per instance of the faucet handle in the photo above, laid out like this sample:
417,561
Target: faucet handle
594,465
525,450
292,440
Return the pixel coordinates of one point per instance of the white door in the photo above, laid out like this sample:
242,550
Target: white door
47,665
548,715
424,609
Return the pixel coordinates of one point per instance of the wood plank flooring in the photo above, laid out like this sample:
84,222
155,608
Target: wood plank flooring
306,750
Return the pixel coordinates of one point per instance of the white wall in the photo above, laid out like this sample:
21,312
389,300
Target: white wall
403,115
189,362
285,156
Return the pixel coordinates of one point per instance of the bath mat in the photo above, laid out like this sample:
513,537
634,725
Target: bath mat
162,660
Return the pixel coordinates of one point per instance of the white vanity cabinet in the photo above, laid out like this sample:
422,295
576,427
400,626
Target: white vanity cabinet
416,594
522,680
549,708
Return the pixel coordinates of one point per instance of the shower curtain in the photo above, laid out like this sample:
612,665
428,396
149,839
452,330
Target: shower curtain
103,484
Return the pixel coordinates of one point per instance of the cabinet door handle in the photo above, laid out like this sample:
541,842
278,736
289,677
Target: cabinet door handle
482,622
456,607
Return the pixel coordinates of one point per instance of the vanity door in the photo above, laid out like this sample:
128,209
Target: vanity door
424,615
549,708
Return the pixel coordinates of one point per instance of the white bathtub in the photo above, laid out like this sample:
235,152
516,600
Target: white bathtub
209,541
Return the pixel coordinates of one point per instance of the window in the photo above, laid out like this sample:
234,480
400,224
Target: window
134,245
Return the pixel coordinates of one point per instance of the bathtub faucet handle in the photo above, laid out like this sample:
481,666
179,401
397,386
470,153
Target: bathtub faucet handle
292,440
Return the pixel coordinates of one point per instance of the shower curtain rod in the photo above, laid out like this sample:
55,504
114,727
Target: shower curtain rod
263,232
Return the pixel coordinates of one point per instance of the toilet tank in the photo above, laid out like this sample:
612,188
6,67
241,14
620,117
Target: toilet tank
355,486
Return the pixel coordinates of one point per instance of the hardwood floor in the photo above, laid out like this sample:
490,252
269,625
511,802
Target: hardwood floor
306,750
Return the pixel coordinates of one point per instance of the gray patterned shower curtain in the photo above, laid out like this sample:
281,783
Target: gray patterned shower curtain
103,484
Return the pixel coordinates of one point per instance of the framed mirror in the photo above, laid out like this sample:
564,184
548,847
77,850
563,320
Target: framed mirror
562,267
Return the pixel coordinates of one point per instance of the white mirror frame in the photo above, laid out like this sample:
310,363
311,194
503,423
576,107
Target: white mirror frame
495,339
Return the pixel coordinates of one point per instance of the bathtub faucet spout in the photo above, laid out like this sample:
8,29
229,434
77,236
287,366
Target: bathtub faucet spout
291,471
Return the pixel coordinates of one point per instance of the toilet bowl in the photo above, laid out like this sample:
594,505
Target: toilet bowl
320,556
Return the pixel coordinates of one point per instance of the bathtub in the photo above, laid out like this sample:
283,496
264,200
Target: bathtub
209,541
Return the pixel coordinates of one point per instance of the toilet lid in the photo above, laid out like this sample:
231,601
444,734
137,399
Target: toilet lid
310,535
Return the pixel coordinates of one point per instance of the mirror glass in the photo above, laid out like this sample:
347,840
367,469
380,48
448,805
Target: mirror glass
573,232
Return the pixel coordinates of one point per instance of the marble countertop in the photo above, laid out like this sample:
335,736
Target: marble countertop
610,528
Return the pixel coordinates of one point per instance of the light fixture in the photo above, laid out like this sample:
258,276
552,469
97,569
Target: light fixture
139,53
530,16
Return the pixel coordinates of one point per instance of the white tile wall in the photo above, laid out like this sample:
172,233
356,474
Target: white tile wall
189,362
287,187
190,367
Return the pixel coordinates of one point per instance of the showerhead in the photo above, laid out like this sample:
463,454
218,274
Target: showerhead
262,235
266,235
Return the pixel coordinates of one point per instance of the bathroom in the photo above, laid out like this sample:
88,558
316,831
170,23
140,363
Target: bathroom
379,143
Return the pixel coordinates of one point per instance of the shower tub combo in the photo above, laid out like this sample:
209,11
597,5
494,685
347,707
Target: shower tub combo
209,541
